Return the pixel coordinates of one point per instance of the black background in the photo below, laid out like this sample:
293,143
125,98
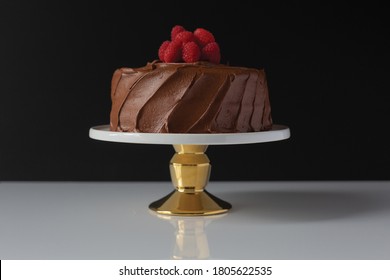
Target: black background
327,67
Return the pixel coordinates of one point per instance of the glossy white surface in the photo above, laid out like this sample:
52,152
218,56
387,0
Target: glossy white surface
269,220
102,132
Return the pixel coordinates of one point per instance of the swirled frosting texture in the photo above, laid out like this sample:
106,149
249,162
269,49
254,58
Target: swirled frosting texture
189,98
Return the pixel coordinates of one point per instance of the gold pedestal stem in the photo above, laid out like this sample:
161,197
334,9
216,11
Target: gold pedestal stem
190,172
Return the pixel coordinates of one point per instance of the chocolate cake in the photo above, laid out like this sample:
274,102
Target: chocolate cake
188,91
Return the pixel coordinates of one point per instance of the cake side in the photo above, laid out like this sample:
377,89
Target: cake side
189,98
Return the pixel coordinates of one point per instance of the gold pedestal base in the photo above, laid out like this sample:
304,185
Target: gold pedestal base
190,172
196,204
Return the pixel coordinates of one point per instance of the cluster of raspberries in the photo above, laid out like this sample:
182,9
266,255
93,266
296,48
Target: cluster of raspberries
187,46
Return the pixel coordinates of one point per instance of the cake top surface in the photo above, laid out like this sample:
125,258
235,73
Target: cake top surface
201,66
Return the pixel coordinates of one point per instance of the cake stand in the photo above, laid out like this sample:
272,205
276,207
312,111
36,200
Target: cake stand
190,167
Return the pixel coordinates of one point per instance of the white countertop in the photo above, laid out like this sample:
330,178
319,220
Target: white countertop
269,220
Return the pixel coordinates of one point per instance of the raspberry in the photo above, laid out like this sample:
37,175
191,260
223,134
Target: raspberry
173,52
211,53
184,37
162,49
189,47
203,37
176,30
191,52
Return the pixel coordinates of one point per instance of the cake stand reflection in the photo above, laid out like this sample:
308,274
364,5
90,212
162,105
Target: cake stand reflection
190,167
191,240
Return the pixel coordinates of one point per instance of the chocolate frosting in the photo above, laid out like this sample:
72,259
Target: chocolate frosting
189,98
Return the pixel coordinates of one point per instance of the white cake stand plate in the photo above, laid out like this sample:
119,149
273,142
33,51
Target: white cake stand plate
190,167
102,132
